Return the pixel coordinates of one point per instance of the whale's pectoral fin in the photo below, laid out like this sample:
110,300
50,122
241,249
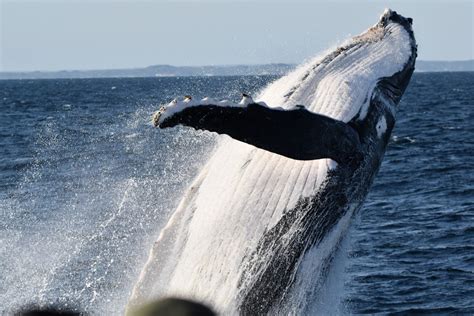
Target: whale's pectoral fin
296,133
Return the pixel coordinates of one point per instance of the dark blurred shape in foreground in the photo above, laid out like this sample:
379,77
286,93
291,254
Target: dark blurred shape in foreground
173,307
46,311
162,307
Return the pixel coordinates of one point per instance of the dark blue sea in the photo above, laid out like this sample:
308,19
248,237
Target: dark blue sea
86,184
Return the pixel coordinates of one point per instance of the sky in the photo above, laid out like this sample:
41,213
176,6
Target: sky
104,34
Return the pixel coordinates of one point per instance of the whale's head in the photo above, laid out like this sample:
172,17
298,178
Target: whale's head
341,83
392,16
384,57
393,86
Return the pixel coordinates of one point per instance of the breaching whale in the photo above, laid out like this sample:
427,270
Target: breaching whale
298,164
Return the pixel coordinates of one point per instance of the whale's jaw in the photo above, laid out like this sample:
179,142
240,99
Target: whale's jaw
340,84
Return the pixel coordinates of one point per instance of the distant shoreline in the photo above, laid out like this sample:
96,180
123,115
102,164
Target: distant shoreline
211,71
197,76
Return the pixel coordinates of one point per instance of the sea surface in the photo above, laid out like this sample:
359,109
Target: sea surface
86,184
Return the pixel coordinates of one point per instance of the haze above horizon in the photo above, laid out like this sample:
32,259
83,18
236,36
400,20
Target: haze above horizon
63,35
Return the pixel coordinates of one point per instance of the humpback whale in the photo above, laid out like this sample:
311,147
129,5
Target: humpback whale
298,164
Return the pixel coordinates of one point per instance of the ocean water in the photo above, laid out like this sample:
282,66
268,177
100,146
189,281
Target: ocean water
86,184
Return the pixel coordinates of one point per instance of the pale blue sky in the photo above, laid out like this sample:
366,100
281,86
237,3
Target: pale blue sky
55,35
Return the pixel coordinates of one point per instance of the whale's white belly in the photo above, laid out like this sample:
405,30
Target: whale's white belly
244,193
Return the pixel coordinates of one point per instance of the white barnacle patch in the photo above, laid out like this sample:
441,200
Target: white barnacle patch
381,126
208,100
225,103
331,164
246,100
364,110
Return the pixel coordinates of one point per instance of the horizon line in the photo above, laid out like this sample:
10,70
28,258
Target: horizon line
199,66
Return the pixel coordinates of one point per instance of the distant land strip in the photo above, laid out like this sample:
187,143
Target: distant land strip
230,70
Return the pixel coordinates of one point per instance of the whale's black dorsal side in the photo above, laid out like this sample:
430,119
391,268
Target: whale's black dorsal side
296,133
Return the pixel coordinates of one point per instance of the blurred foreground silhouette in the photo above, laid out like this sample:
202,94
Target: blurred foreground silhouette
162,307
173,307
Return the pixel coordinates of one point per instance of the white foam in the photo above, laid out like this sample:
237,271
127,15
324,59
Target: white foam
246,100
381,126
